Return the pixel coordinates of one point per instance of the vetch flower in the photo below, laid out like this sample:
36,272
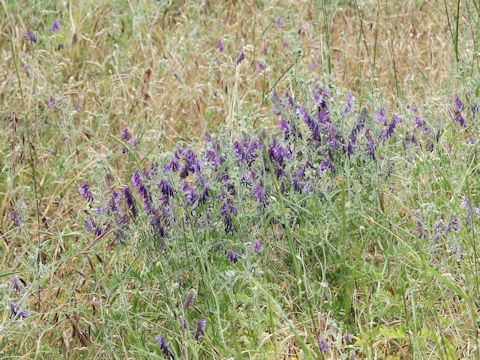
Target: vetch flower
30,37
220,47
55,26
201,325
323,346
130,200
17,285
164,347
85,192
260,67
15,218
15,311
458,108
190,299
240,58
350,105
257,247
232,256
259,193
381,117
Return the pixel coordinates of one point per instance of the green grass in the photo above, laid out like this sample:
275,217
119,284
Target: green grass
348,261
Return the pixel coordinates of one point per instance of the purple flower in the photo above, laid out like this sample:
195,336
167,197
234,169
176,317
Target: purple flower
285,127
323,346
55,26
326,165
85,192
164,347
174,164
220,46
227,210
420,231
349,338
17,285
350,104
190,163
388,132
189,300
167,191
232,256
259,193
60,47
190,192
260,67
129,199
15,218
52,101
125,134
457,104
184,324
458,108
92,227
201,325
17,312
381,117
280,23
240,58
312,125
371,146
143,192
257,247
30,37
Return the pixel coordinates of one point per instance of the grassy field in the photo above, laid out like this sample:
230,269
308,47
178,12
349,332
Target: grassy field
240,179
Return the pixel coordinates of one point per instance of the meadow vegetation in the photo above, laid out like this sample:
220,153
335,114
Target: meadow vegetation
239,179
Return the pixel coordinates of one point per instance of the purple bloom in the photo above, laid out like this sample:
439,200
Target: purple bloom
30,37
350,104
15,218
326,165
16,285
280,23
371,146
279,155
85,192
457,104
55,26
260,67
125,134
240,58
312,125
142,190
129,199
201,325
52,101
458,108
17,312
164,347
166,189
184,324
227,210
190,163
259,193
92,227
190,300
190,192
232,256
349,338
220,46
174,164
323,346
420,231
285,127
381,117
257,247
388,132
